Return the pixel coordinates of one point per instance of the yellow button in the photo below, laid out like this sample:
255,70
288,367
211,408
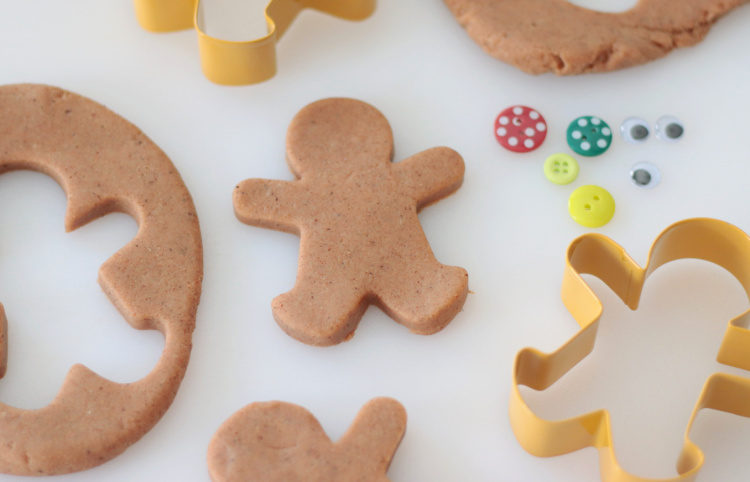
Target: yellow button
561,168
591,206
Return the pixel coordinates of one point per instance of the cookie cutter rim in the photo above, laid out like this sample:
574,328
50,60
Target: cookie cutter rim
700,238
228,62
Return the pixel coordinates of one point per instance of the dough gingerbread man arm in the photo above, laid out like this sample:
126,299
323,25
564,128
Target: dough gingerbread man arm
268,204
374,436
430,175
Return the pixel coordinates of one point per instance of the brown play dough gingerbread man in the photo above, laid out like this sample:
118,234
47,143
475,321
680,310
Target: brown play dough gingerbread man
104,164
356,214
282,442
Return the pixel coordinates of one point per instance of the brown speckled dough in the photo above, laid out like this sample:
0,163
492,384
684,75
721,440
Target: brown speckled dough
356,213
553,35
105,164
282,442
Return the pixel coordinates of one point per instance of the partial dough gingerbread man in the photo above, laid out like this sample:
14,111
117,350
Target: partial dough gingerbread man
356,213
282,442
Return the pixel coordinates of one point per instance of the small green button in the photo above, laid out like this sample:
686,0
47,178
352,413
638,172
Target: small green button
561,168
591,206
589,136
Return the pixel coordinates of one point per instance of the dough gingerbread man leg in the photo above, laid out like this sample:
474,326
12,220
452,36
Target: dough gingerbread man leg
321,310
356,213
425,299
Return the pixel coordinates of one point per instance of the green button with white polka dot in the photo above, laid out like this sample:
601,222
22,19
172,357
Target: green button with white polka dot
589,136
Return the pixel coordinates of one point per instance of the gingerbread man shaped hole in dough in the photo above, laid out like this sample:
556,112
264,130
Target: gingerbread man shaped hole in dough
557,36
104,164
356,214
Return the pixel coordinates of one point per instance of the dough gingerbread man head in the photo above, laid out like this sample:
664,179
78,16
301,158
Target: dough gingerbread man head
356,213
336,138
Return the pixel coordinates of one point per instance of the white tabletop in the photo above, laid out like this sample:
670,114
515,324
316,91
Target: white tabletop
507,226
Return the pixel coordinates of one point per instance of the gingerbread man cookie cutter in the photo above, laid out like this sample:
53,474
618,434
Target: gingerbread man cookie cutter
105,164
356,214
248,62
282,442
594,254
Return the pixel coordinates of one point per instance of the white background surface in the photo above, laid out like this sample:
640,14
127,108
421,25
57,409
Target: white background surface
507,225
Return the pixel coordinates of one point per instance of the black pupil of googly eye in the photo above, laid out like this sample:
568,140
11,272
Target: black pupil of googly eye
638,132
674,131
641,177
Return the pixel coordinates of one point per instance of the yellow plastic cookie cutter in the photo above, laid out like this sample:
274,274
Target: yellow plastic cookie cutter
594,254
228,62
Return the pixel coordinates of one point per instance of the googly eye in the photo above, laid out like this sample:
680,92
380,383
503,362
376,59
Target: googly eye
669,128
645,175
634,130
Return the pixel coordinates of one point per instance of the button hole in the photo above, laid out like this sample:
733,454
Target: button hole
587,207
596,198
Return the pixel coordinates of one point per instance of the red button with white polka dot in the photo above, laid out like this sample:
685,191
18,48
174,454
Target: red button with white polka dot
520,129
